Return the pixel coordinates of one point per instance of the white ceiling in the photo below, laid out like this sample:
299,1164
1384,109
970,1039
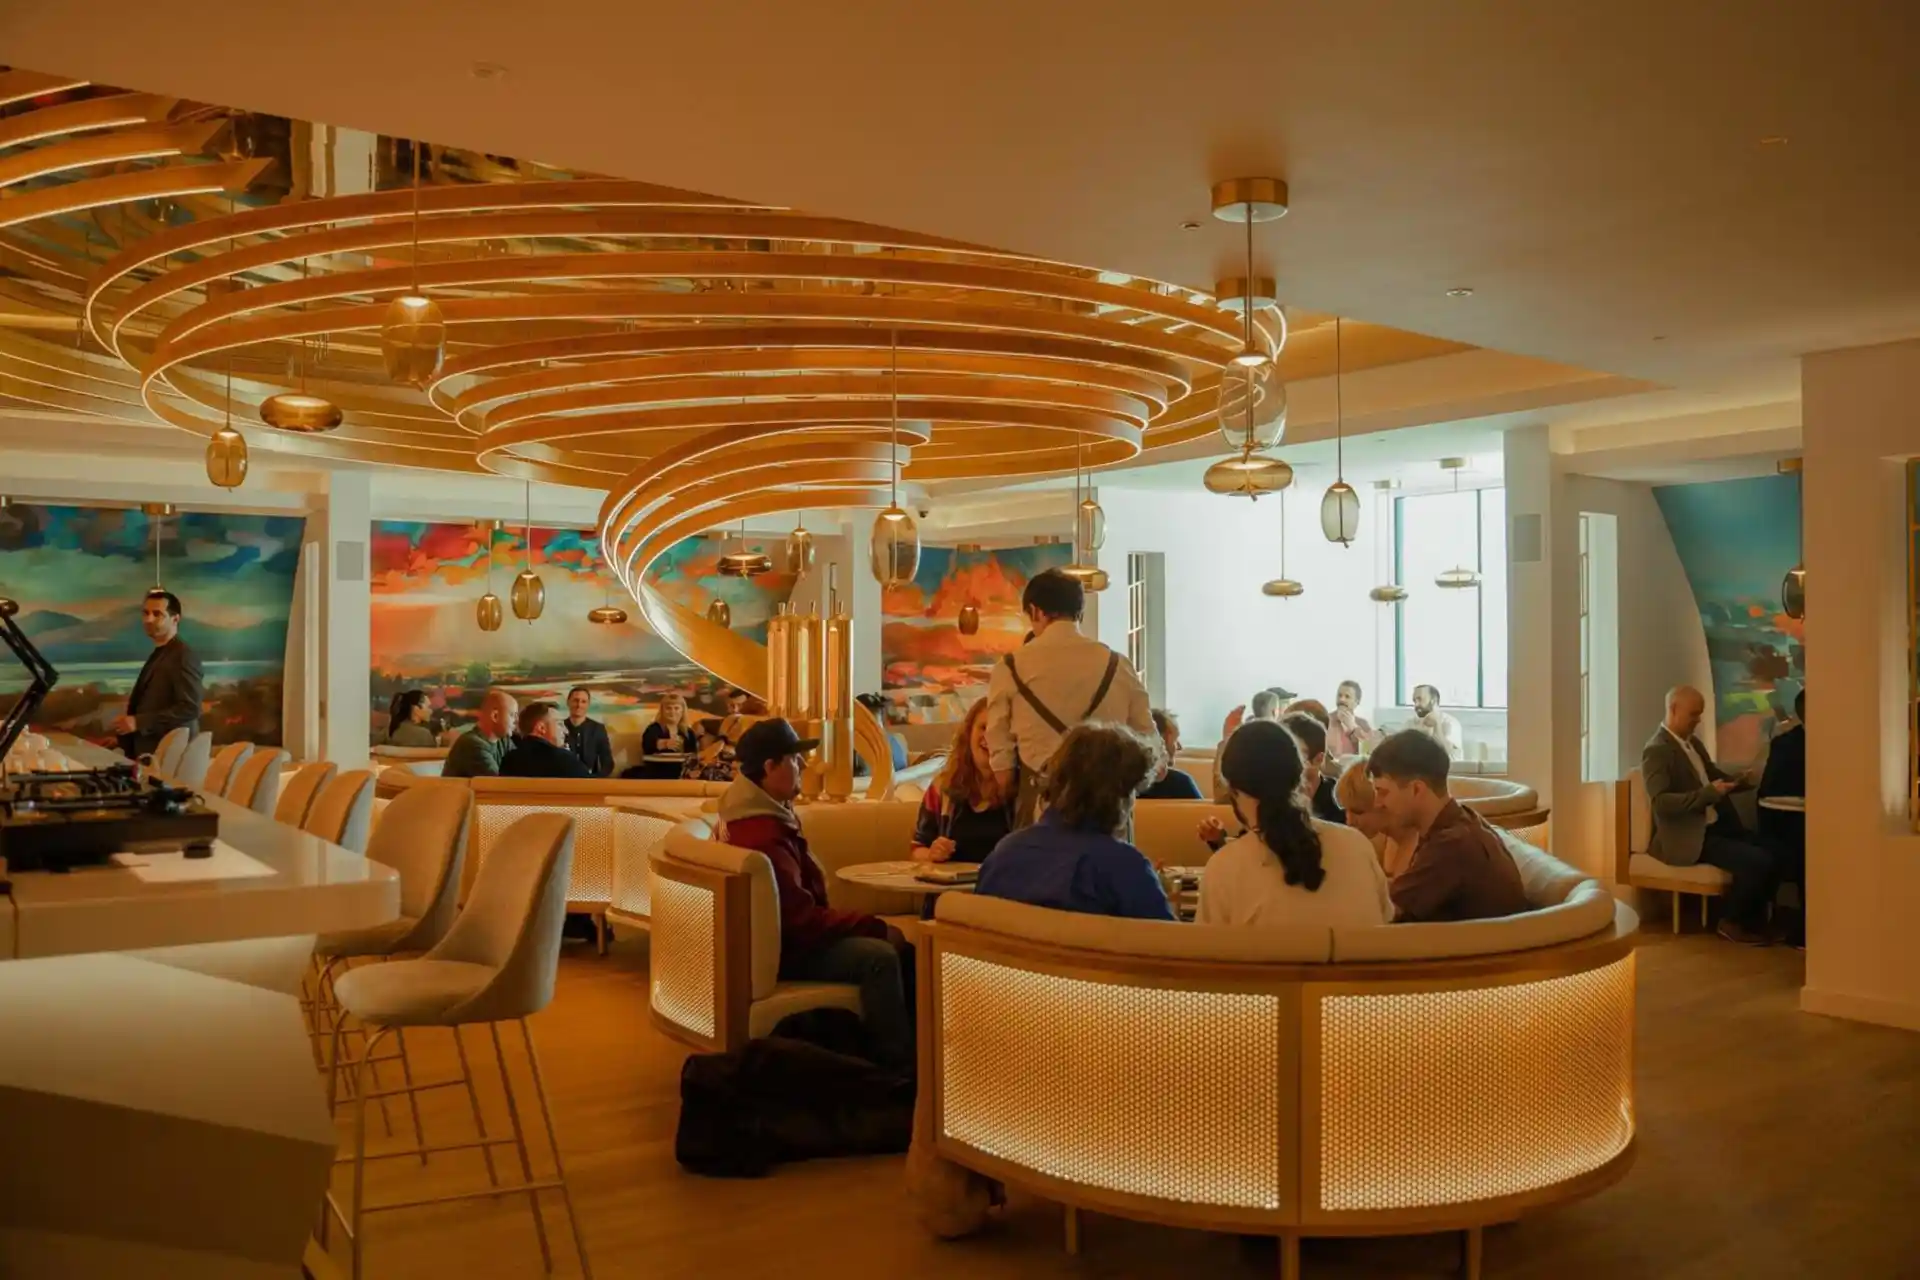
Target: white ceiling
1595,171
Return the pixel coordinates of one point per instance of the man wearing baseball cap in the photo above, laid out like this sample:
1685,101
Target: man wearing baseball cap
817,942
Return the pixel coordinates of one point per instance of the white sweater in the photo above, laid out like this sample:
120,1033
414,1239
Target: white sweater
1245,884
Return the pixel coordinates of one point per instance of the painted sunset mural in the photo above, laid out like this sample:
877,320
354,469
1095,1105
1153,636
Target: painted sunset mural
427,577
79,574
931,668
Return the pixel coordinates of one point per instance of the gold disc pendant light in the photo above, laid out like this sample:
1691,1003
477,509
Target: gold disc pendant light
487,611
1282,587
413,334
1458,578
299,411
529,594
800,549
607,614
894,551
1083,569
1793,587
1248,476
742,563
227,449
1390,592
1340,505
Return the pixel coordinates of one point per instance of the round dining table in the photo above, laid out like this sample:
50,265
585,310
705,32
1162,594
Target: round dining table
1785,804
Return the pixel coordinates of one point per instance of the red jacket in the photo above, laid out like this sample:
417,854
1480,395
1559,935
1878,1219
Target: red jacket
752,819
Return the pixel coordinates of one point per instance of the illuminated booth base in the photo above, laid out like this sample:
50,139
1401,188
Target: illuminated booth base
1289,1083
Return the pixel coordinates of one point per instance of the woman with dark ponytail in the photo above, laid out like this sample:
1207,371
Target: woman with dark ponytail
407,718
1289,868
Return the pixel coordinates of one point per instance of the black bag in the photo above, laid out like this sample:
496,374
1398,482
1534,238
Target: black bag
780,1100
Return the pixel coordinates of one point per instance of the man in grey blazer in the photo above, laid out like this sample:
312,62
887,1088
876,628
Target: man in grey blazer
1693,823
167,693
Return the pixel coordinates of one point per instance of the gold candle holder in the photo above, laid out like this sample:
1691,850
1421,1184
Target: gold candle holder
780,662
836,739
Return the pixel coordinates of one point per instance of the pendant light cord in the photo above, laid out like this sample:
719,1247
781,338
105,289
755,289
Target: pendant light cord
414,265
527,561
1339,409
1246,301
893,449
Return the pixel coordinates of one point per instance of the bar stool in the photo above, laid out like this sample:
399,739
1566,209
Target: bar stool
423,836
342,810
256,783
194,761
225,761
497,964
297,796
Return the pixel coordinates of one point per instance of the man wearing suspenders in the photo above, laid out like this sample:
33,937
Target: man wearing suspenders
1056,681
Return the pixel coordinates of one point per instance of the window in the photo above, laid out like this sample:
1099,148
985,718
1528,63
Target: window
1453,639
1145,620
1137,634
1599,647
1586,648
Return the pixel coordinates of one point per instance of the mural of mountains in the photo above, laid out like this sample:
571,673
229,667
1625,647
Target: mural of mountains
116,637
922,650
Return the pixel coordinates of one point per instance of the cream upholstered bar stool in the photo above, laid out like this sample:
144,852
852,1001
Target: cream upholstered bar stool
256,783
343,811
172,746
423,836
225,761
296,797
195,761
497,964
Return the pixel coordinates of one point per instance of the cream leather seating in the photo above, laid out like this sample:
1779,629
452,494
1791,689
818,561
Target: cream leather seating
343,811
256,783
1633,865
170,750
191,771
298,792
425,761
224,762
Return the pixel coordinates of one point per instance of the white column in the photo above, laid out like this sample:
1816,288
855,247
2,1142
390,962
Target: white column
345,622
1536,718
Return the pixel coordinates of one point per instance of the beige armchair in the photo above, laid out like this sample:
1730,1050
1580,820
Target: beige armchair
1634,866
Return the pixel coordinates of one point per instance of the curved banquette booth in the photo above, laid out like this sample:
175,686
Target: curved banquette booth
1392,1080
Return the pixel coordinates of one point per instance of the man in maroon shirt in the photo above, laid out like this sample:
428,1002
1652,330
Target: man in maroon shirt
1460,870
817,942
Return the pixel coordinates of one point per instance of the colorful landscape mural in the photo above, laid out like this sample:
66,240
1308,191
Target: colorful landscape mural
427,577
932,672
79,574
1737,539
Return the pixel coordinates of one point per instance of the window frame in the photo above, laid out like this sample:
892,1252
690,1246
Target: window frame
1402,693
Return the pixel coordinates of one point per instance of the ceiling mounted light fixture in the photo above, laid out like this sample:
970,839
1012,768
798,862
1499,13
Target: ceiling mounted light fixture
1389,592
1282,587
1793,587
894,552
1248,476
742,562
1458,578
1089,532
1340,505
800,548
607,614
486,610
227,449
968,621
719,614
1247,201
413,334
529,594
299,411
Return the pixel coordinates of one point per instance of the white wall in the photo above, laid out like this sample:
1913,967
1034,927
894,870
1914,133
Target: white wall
1863,864
1223,639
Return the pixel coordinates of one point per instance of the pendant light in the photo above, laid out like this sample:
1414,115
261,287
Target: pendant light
1390,592
968,621
487,611
1340,505
227,449
1458,578
719,614
157,513
413,333
608,614
529,594
1083,569
800,548
1793,587
1282,587
1248,476
1247,201
742,563
895,548
1251,404
298,411
1089,521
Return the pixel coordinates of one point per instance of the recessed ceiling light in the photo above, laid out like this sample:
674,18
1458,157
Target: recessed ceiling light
1189,225
1659,337
1774,140
489,71
1460,293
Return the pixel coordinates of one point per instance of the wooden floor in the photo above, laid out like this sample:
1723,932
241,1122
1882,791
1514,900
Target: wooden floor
1772,1144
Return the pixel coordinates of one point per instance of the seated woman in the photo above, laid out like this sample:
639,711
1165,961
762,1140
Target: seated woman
964,813
1354,793
1172,784
664,744
1287,869
407,717
1315,786
1071,860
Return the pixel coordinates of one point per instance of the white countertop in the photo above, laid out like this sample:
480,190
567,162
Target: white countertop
311,886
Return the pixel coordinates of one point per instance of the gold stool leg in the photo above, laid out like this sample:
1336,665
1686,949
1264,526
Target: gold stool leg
553,1140
1073,1229
1289,1256
473,1101
356,1225
1475,1253
520,1144
1703,911
1676,911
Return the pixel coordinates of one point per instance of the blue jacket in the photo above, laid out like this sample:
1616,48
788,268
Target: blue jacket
1050,865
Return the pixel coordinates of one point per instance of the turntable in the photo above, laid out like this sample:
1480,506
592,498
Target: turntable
58,821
